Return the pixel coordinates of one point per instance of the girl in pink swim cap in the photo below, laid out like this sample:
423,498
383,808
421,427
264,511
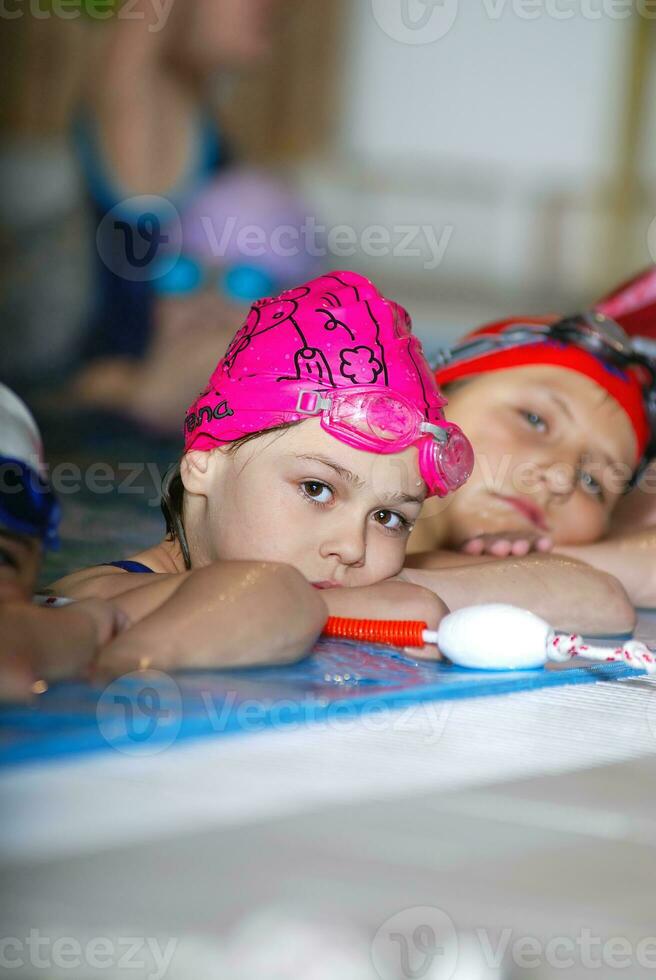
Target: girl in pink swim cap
314,444
325,399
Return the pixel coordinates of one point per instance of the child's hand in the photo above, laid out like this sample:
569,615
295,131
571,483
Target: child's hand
511,544
42,645
106,618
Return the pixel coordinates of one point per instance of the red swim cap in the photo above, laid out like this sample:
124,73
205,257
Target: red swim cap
633,304
624,385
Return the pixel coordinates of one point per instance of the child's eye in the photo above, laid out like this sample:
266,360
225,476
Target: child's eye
392,521
318,492
591,485
535,421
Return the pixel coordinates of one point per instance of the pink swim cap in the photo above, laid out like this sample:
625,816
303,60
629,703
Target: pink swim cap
337,349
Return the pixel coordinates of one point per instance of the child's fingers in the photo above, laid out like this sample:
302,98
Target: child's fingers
108,620
475,546
503,546
500,548
521,548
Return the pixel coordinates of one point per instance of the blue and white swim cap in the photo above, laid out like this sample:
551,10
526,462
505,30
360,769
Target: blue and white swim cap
27,503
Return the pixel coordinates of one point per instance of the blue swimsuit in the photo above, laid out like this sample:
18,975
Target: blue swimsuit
130,566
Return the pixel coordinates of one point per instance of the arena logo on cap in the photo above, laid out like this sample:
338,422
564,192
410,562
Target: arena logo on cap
205,414
415,21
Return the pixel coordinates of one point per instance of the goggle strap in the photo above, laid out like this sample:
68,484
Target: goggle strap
440,434
318,405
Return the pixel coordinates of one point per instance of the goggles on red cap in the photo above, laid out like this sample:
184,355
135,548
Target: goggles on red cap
633,304
591,343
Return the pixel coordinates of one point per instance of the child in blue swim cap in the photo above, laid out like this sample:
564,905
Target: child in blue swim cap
38,644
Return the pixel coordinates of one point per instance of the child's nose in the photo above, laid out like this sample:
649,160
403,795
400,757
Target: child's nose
347,543
560,475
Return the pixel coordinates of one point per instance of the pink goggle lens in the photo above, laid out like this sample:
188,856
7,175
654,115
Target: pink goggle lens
376,417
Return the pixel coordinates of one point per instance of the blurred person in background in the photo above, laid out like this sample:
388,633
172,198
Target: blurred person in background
241,237
136,147
45,253
147,139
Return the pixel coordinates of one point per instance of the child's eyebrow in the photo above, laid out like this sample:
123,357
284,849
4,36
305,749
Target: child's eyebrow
396,496
399,497
561,403
345,474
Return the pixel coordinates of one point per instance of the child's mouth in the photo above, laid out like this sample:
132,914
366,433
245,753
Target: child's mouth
531,511
325,585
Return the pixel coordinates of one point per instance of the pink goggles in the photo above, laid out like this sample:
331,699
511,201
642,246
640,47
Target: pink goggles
373,419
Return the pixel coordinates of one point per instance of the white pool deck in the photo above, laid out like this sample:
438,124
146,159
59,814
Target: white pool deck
533,812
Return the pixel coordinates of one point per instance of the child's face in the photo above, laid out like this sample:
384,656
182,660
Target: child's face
553,453
227,33
20,557
341,516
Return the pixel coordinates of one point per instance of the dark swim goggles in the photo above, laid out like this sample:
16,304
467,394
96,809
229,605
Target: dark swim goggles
593,333
27,503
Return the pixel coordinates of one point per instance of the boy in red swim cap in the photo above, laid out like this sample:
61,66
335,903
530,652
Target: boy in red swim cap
562,415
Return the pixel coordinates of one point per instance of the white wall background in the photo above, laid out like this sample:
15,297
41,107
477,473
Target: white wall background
506,129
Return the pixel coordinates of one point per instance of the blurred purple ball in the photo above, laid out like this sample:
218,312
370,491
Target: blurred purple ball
245,217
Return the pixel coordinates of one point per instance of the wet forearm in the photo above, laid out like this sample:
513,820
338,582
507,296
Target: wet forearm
567,593
631,558
228,614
